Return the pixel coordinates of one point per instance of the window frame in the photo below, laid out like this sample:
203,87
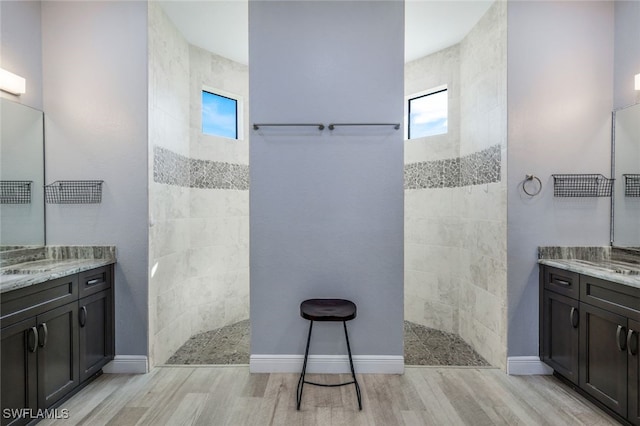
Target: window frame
239,112
418,95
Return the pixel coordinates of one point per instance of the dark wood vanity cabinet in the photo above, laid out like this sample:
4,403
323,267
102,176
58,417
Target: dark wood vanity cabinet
603,370
55,337
96,333
589,336
560,325
57,353
633,396
19,368
95,320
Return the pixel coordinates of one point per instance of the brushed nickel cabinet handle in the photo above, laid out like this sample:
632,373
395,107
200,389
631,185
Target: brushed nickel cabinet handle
621,335
632,344
33,339
574,317
83,316
45,335
562,282
93,281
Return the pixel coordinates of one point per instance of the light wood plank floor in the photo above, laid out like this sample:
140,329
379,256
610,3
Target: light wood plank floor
229,395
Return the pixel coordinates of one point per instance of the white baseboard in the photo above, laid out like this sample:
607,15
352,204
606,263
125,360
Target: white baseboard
527,366
327,364
127,364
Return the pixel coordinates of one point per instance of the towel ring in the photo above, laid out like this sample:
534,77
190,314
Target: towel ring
530,178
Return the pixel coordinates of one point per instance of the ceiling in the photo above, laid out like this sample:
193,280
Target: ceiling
221,26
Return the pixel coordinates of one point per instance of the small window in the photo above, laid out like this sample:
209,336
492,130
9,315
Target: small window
219,115
428,114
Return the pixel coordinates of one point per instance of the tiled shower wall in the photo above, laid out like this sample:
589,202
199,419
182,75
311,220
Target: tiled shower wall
455,209
169,319
432,171
198,192
455,194
219,221
483,104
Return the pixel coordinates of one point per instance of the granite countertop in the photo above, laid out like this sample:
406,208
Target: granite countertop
56,262
611,270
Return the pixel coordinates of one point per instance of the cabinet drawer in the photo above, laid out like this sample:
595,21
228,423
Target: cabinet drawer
26,302
618,298
561,281
95,280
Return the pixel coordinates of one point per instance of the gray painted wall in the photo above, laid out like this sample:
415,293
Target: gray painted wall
95,80
326,216
627,52
560,73
21,47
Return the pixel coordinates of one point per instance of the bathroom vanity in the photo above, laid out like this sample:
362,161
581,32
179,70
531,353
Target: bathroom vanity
589,330
57,327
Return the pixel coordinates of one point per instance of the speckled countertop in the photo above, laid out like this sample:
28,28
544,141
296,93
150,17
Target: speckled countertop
51,262
611,270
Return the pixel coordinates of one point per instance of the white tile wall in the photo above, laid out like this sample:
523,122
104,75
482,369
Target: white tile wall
483,207
199,238
455,238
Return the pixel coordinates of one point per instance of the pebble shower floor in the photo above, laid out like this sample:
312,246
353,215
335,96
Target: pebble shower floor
422,346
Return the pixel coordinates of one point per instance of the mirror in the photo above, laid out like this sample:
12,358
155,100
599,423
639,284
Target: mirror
626,170
21,176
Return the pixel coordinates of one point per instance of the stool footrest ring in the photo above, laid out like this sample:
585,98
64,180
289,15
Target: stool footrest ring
329,385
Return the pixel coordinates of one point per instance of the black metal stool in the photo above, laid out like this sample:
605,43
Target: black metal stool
327,310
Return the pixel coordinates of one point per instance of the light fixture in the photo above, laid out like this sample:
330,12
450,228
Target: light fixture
9,82
637,81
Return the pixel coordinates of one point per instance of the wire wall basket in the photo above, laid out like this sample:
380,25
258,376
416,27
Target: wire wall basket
632,185
581,185
15,191
74,192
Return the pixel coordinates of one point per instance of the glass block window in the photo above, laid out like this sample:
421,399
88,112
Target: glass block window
428,114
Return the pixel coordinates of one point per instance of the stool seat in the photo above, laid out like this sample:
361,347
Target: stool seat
328,310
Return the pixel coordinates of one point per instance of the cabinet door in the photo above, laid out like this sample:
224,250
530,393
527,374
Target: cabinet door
633,394
603,370
19,375
58,371
96,333
560,334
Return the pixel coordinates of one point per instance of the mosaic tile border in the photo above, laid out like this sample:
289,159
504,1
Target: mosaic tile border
175,169
474,169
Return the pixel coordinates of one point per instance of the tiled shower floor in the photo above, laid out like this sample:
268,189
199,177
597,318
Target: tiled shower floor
422,346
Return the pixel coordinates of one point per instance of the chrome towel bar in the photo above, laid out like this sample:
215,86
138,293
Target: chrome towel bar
320,126
257,126
334,125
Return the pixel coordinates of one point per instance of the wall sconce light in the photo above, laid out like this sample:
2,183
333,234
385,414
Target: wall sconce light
9,82
637,81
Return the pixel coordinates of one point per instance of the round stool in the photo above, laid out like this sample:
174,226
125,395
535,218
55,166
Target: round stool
327,310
